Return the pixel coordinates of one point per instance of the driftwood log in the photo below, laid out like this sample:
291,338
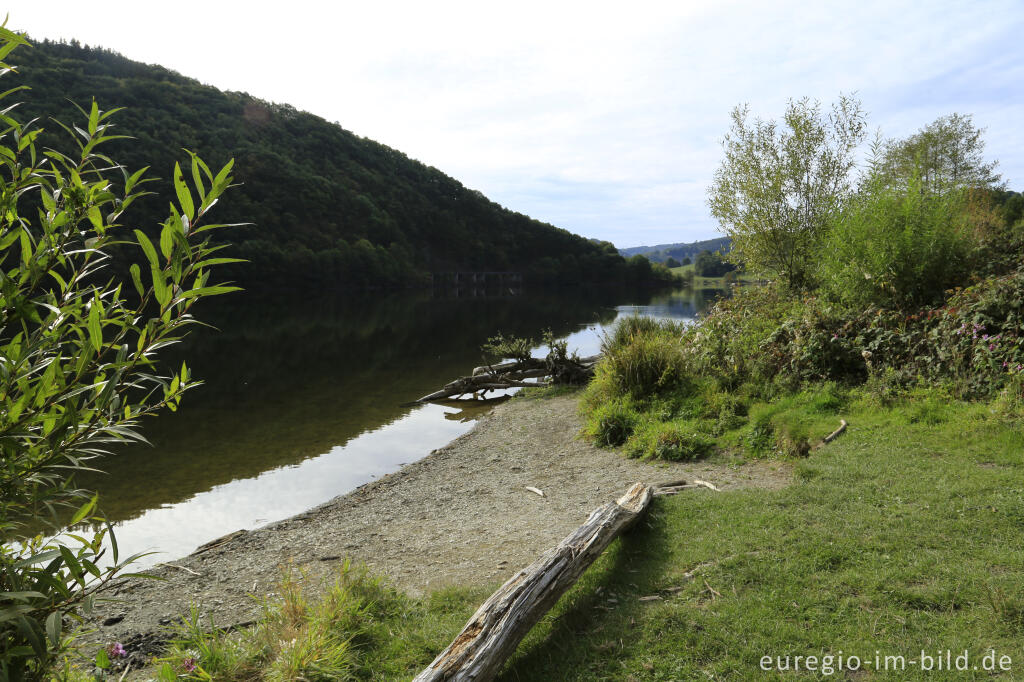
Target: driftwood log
514,374
498,626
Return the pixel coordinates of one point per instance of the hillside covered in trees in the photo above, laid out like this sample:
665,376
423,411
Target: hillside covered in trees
661,253
328,208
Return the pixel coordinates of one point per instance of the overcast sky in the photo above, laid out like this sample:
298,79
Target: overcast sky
602,118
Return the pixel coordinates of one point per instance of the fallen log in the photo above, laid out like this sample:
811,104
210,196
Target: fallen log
512,374
498,626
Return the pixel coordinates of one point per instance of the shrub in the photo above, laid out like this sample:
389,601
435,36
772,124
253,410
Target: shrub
726,343
78,359
897,246
500,347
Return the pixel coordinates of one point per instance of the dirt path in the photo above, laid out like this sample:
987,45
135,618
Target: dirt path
460,516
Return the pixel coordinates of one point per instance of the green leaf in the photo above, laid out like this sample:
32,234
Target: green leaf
11,612
95,330
220,183
9,238
49,203
184,196
30,630
219,261
94,118
102,659
96,218
60,280
71,562
133,179
197,178
53,628
160,288
84,510
147,247
18,596
26,247
209,291
136,273
167,240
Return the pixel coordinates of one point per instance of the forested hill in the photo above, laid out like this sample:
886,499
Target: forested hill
662,252
329,208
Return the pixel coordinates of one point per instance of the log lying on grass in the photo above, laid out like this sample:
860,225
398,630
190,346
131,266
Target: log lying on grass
514,375
835,434
497,627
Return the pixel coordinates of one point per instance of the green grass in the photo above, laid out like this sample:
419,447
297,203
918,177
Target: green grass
356,628
904,534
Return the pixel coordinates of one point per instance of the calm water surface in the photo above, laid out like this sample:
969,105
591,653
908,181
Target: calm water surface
302,403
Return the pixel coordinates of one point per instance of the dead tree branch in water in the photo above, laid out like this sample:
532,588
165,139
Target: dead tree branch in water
514,374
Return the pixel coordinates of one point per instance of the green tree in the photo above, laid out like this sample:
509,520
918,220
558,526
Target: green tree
896,245
78,357
947,154
922,218
779,184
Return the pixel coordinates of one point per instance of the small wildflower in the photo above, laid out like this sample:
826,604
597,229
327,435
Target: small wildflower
189,664
115,650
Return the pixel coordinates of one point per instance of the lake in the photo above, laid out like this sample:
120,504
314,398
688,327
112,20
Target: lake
302,401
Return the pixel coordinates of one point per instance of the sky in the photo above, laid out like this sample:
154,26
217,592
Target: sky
605,119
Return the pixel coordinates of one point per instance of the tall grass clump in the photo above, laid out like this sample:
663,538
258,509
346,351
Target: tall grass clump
627,328
611,423
671,441
644,358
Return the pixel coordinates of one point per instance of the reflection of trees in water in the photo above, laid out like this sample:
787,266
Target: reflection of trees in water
285,381
266,347
687,303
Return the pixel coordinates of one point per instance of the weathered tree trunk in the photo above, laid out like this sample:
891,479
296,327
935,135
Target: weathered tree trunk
498,626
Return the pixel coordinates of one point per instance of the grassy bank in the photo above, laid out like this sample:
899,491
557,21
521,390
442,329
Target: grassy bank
902,535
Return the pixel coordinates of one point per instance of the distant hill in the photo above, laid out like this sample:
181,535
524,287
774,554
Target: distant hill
662,252
329,208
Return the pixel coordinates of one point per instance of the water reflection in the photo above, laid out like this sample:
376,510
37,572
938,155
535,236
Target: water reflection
302,402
